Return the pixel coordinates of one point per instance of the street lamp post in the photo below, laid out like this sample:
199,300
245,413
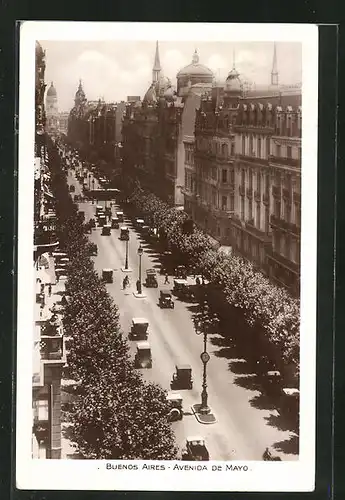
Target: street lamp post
89,181
126,261
140,253
205,357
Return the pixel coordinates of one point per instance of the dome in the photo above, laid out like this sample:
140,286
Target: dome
150,96
195,68
233,82
170,94
51,91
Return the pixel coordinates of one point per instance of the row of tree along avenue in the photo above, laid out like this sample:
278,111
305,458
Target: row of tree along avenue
114,414
264,309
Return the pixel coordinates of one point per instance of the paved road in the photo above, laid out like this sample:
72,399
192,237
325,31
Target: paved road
242,431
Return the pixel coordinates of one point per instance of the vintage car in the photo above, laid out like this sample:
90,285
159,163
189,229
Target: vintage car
102,220
124,234
181,272
120,216
151,280
106,230
182,378
290,400
139,223
145,230
93,249
139,328
143,356
165,300
115,223
107,275
271,382
182,289
175,401
195,449
72,188
107,211
99,209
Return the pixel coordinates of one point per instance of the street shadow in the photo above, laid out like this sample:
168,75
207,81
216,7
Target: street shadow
284,422
288,446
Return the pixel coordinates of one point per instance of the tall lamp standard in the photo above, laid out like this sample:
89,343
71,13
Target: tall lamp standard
202,411
140,253
89,182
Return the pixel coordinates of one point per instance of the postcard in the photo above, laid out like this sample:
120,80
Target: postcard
167,235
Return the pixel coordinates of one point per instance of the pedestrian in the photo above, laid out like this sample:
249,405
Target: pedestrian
197,281
166,281
49,289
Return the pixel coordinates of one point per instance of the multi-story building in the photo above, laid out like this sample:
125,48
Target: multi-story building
52,111
63,122
246,168
154,130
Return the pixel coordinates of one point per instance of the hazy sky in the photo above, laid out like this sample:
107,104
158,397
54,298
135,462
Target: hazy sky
114,70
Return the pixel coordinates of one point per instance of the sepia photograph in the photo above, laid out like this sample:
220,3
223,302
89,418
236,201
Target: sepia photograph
167,256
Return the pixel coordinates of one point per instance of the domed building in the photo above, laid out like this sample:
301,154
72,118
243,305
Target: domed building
194,73
52,111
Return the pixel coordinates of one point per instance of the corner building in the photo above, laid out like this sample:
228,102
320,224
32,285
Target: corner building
243,174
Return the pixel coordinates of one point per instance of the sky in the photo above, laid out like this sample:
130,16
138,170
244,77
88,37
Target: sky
114,70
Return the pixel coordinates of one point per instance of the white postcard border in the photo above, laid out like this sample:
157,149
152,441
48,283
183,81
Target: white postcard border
93,475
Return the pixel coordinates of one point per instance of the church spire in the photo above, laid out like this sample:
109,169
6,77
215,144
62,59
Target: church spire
274,73
156,65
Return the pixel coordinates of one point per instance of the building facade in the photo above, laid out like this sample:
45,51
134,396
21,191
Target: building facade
154,129
52,111
242,181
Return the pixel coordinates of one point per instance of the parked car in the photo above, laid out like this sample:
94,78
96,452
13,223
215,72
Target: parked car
182,378
115,223
175,402
120,216
143,356
139,328
181,272
106,230
107,275
151,280
124,234
165,300
139,223
102,220
182,289
195,449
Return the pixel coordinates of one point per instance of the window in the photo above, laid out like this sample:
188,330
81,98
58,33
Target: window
186,179
243,145
251,150
243,178
268,146
267,220
288,152
232,149
298,214
267,184
224,150
278,150
277,209
258,216
224,203
224,175
258,182
214,197
232,203
250,209
232,176
242,208
250,180
259,147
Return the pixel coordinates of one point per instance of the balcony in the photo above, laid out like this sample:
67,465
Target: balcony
242,190
252,159
285,262
283,225
257,196
249,192
288,162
